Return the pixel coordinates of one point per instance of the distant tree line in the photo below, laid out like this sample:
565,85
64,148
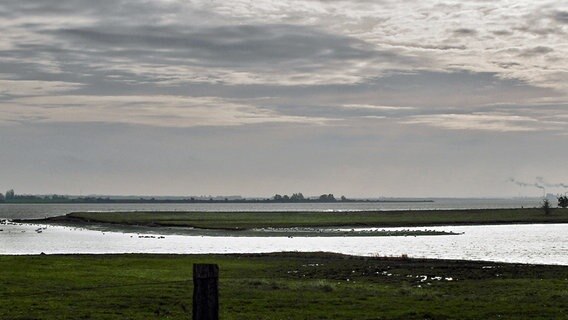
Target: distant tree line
11,196
299,197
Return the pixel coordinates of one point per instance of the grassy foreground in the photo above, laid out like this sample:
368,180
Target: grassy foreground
248,220
279,286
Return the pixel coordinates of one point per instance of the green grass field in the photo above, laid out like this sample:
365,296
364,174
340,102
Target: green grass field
279,286
248,220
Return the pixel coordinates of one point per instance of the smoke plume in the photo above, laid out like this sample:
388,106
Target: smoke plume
540,183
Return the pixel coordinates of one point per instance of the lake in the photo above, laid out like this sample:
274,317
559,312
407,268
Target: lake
536,243
531,243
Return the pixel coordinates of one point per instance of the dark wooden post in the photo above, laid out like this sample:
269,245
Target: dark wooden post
205,292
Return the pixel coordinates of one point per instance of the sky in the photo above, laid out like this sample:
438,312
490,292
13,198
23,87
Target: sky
361,98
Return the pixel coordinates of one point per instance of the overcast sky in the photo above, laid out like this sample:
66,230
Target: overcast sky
361,98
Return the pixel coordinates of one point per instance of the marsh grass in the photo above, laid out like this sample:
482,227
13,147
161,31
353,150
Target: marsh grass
253,220
278,286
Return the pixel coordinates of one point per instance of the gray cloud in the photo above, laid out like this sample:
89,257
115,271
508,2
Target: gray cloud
536,51
561,16
538,31
102,9
442,47
236,54
502,32
465,32
507,65
544,21
426,89
238,45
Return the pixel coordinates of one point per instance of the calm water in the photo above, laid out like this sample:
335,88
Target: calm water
26,211
537,243
543,244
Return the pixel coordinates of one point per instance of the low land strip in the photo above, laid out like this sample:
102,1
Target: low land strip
251,220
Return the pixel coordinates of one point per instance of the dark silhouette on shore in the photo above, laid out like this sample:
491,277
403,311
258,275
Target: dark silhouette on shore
12,197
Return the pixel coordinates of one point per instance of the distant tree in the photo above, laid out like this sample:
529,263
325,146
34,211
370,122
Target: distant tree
286,198
10,194
563,201
545,206
297,197
57,197
277,197
343,198
327,198
1,197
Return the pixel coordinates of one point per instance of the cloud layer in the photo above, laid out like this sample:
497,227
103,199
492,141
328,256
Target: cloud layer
357,71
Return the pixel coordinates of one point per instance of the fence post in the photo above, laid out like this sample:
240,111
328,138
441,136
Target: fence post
205,292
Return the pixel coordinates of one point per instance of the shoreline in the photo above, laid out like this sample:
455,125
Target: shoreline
295,254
